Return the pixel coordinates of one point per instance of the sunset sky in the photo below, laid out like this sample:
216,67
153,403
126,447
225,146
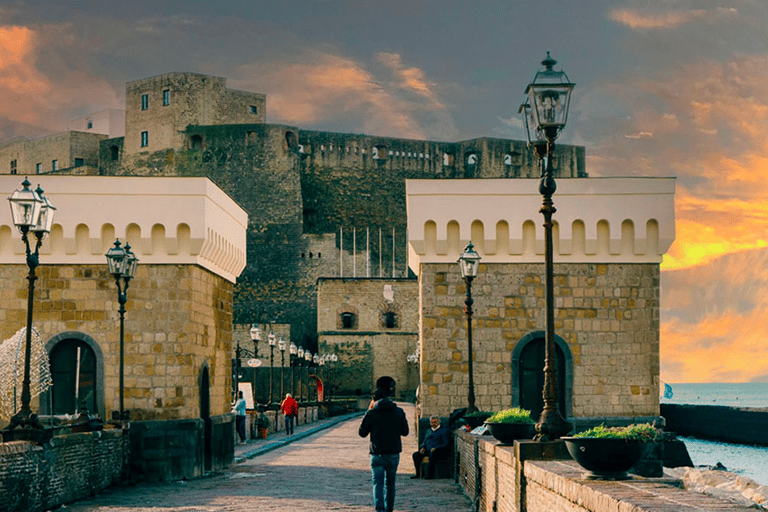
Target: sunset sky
664,88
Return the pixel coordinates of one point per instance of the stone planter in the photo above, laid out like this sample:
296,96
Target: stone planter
605,459
508,433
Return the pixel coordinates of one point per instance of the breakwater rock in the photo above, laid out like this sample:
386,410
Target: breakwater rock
729,424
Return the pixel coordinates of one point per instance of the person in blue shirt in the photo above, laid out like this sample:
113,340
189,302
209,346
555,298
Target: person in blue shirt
238,408
435,446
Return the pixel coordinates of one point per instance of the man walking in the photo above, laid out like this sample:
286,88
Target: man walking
289,408
386,423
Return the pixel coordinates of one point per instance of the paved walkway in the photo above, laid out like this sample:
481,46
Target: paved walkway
324,466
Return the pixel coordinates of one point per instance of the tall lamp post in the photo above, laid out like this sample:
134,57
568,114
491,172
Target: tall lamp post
307,361
31,212
255,362
545,113
333,359
122,265
272,340
300,361
282,346
317,359
292,352
468,263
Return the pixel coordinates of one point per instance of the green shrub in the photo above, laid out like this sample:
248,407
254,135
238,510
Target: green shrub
514,415
639,432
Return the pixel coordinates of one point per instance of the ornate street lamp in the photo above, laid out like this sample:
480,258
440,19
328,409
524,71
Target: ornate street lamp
545,113
468,263
292,352
254,362
272,340
319,363
307,362
282,346
122,265
300,361
31,212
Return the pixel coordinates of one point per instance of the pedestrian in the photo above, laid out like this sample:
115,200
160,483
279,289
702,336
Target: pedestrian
436,445
238,408
290,408
386,424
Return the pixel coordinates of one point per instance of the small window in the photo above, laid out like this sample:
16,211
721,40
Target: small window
114,153
196,142
253,109
38,168
13,166
166,97
144,139
55,165
390,320
90,124
78,162
347,320
144,101
447,159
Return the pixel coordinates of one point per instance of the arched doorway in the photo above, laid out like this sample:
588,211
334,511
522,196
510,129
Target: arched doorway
205,415
528,374
77,373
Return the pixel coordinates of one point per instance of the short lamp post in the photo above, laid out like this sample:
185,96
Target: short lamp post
292,352
31,213
468,263
545,112
282,346
122,265
272,340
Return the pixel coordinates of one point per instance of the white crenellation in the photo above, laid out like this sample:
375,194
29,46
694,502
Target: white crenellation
621,220
175,221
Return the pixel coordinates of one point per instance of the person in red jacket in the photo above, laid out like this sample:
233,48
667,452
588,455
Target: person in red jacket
290,409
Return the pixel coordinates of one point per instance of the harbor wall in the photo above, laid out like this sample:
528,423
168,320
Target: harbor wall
730,424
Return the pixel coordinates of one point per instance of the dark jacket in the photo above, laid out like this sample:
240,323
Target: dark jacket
385,422
436,438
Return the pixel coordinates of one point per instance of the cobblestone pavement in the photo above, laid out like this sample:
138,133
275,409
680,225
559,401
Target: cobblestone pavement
326,469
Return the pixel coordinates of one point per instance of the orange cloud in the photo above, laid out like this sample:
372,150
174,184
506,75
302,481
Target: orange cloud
21,85
725,348
635,19
324,86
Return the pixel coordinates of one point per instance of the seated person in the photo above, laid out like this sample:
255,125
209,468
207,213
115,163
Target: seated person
435,446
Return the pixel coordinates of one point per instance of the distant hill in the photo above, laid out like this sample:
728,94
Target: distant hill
735,283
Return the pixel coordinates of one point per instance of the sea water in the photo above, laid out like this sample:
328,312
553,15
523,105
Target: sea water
747,460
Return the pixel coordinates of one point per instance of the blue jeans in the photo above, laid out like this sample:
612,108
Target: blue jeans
288,424
384,467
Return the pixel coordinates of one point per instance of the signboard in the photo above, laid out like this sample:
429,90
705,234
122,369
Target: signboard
247,390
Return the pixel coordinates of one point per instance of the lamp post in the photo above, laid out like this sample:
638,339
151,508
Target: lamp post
255,362
307,361
122,265
317,359
31,212
272,339
334,359
300,361
468,263
545,113
282,346
292,351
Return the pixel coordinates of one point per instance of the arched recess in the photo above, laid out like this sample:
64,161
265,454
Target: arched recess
603,238
62,352
578,238
627,237
528,374
454,238
430,237
502,237
529,238
204,384
6,240
477,235
133,235
652,237
55,240
82,239
184,238
158,239
107,237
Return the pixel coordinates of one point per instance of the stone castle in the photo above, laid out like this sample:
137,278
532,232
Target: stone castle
320,204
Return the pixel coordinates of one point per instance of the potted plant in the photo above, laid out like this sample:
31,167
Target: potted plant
477,418
262,425
607,453
511,424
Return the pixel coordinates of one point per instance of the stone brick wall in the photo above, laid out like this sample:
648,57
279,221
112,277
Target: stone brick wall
369,349
71,467
178,320
607,314
62,147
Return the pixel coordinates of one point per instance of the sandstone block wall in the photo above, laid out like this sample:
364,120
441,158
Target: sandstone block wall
608,314
178,319
63,147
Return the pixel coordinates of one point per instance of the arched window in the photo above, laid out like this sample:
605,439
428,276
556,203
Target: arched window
114,153
73,369
347,320
390,320
196,142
